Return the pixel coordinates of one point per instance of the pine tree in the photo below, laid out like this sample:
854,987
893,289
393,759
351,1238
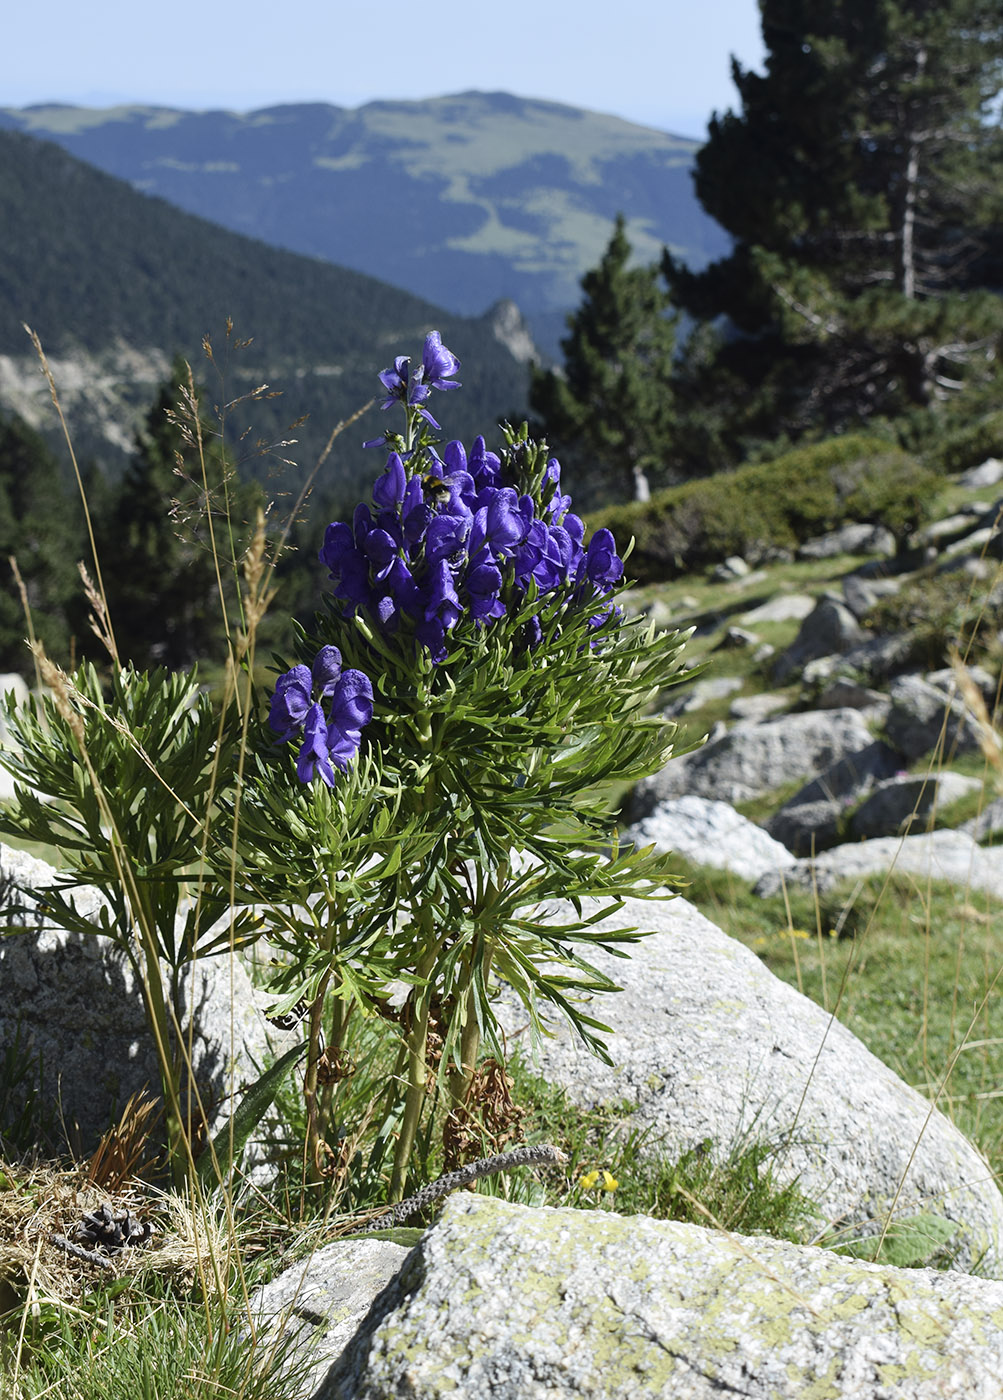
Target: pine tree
158,565
610,414
37,529
860,181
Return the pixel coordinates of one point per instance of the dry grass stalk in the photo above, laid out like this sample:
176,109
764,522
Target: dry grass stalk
988,738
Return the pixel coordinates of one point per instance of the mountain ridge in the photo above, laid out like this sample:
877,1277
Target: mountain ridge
116,283
465,199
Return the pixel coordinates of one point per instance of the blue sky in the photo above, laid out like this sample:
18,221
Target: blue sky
663,63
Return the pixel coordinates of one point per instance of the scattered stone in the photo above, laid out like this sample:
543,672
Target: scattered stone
701,692
922,717
861,594
988,824
902,803
984,682
851,538
846,694
810,820
756,707
752,759
732,567
710,833
500,1301
987,474
830,628
935,855
951,528
785,607
737,639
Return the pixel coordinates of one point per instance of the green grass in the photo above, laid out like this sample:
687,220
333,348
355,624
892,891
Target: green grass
916,972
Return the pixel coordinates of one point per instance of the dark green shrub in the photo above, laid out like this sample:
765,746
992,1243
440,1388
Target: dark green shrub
967,446
941,613
767,507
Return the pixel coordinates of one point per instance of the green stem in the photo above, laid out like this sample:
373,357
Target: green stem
417,1080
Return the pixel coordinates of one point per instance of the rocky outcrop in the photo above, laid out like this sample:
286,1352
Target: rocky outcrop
753,759
502,1302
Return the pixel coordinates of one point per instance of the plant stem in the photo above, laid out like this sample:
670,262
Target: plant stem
417,1079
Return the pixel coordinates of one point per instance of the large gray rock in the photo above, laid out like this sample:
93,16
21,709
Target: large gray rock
501,1302
708,1044
710,833
752,759
900,804
318,1305
922,716
935,855
809,821
76,1007
829,629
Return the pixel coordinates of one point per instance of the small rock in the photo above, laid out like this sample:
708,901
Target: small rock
702,692
732,567
989,473
829,628
710,833
736,639
851,538
756,707
862,594
785,607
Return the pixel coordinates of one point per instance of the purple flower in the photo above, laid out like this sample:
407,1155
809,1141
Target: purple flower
438,364
603,566
290,702
315,755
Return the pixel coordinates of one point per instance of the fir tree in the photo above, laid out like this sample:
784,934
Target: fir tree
609,415
37,529
159,570
860,181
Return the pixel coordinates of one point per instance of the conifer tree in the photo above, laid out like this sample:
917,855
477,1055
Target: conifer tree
860,181
37,529
159,571
609,415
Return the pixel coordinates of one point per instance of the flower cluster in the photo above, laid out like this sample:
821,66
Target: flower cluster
458,542
330,741
445,539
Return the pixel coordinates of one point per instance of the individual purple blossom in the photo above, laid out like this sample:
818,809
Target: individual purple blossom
603,566
438,364
290,702
315,754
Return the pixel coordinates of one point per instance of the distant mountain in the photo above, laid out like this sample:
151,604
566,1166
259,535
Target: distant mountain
116,283
465,200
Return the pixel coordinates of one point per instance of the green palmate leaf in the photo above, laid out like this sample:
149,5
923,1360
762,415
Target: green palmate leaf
226,1147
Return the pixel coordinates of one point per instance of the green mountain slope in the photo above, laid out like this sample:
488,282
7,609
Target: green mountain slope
464,199
116,283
